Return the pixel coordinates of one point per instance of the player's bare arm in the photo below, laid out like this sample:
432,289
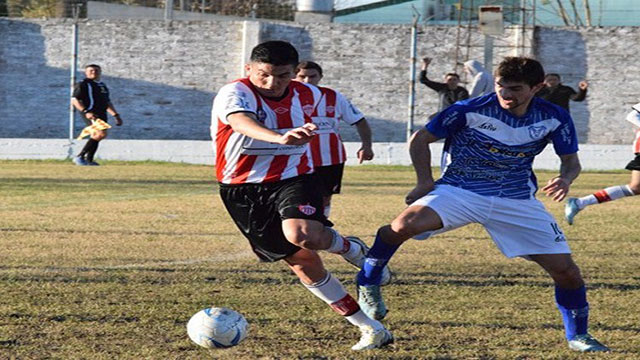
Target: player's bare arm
364,131
421,160
558,187
246,124
78,105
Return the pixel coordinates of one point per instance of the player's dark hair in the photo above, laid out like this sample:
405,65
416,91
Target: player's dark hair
553,74
452,74
95,66
275,53
309,65
520,69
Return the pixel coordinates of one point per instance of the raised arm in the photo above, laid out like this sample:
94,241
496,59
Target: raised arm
434,85
582,91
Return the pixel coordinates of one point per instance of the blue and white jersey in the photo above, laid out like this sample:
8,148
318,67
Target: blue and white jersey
492,151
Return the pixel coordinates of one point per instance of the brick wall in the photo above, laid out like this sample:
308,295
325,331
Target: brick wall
164,76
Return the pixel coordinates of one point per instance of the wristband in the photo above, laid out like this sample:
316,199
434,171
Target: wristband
85,111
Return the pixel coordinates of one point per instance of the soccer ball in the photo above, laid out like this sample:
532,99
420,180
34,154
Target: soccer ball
217,327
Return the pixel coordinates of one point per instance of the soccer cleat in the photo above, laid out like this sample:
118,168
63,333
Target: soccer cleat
358,260
93,163
80,161
571,209
586,343
371,302
373,339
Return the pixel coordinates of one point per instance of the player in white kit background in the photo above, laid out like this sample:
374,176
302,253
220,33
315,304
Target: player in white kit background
493,140
327,149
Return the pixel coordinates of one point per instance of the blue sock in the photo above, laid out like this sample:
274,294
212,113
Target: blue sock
378,256
574,308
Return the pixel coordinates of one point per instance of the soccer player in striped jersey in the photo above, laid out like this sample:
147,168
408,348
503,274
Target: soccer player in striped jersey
327,149
575,205
490,181
261,126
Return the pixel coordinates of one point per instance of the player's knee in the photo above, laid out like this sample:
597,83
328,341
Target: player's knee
568,276
404,228
304,237
635,188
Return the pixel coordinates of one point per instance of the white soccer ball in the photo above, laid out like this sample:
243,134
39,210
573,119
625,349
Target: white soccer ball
217,328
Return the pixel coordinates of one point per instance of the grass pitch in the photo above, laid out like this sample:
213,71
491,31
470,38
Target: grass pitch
110,262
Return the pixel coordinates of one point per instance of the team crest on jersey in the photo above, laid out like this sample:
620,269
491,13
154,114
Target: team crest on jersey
280,110
307,209
536,132
261,115
308,109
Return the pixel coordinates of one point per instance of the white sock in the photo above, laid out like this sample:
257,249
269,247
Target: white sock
339,245
331,291
604,195
327,211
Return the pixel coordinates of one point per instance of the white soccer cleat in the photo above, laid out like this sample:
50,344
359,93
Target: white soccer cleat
571,209
373,339
371,302
587,343
358,260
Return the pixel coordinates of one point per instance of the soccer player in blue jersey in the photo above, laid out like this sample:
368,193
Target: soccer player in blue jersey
493,140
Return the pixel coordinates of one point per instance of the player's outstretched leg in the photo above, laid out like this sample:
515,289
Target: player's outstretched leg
370,277
354,251
307,265
571,209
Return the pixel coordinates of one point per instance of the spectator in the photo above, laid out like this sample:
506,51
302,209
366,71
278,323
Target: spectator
481,79
556,93
449,91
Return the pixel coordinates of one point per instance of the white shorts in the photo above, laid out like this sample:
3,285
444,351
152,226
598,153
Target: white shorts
517,227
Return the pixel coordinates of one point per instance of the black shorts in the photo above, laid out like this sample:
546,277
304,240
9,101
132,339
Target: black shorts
258,211
634,164
330,178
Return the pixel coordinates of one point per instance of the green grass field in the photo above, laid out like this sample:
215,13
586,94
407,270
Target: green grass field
110,262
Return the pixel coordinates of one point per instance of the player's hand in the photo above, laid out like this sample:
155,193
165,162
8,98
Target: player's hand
89,115
419,191
425,62
557,188
118,119
365,153
300,135
583,85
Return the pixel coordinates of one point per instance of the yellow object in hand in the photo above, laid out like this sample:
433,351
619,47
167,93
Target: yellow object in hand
96,125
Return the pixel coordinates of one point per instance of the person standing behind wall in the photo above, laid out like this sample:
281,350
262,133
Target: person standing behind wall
557,93
449,91
481,79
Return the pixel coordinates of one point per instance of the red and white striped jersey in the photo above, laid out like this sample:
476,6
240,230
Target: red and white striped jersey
326,146
636,142
241,159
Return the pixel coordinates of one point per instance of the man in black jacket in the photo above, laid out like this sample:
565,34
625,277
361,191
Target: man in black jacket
449,91
556,93
91,98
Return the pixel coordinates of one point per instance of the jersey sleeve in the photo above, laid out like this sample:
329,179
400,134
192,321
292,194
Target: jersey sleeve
564,137
79,91
233,98
448,121
348,112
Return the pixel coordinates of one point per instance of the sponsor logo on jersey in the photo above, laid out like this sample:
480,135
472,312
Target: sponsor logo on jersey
330,109
280,110
308,109
236,100
307,209
536,132
488,126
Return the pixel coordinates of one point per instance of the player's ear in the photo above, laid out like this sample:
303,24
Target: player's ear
537,88
247,68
